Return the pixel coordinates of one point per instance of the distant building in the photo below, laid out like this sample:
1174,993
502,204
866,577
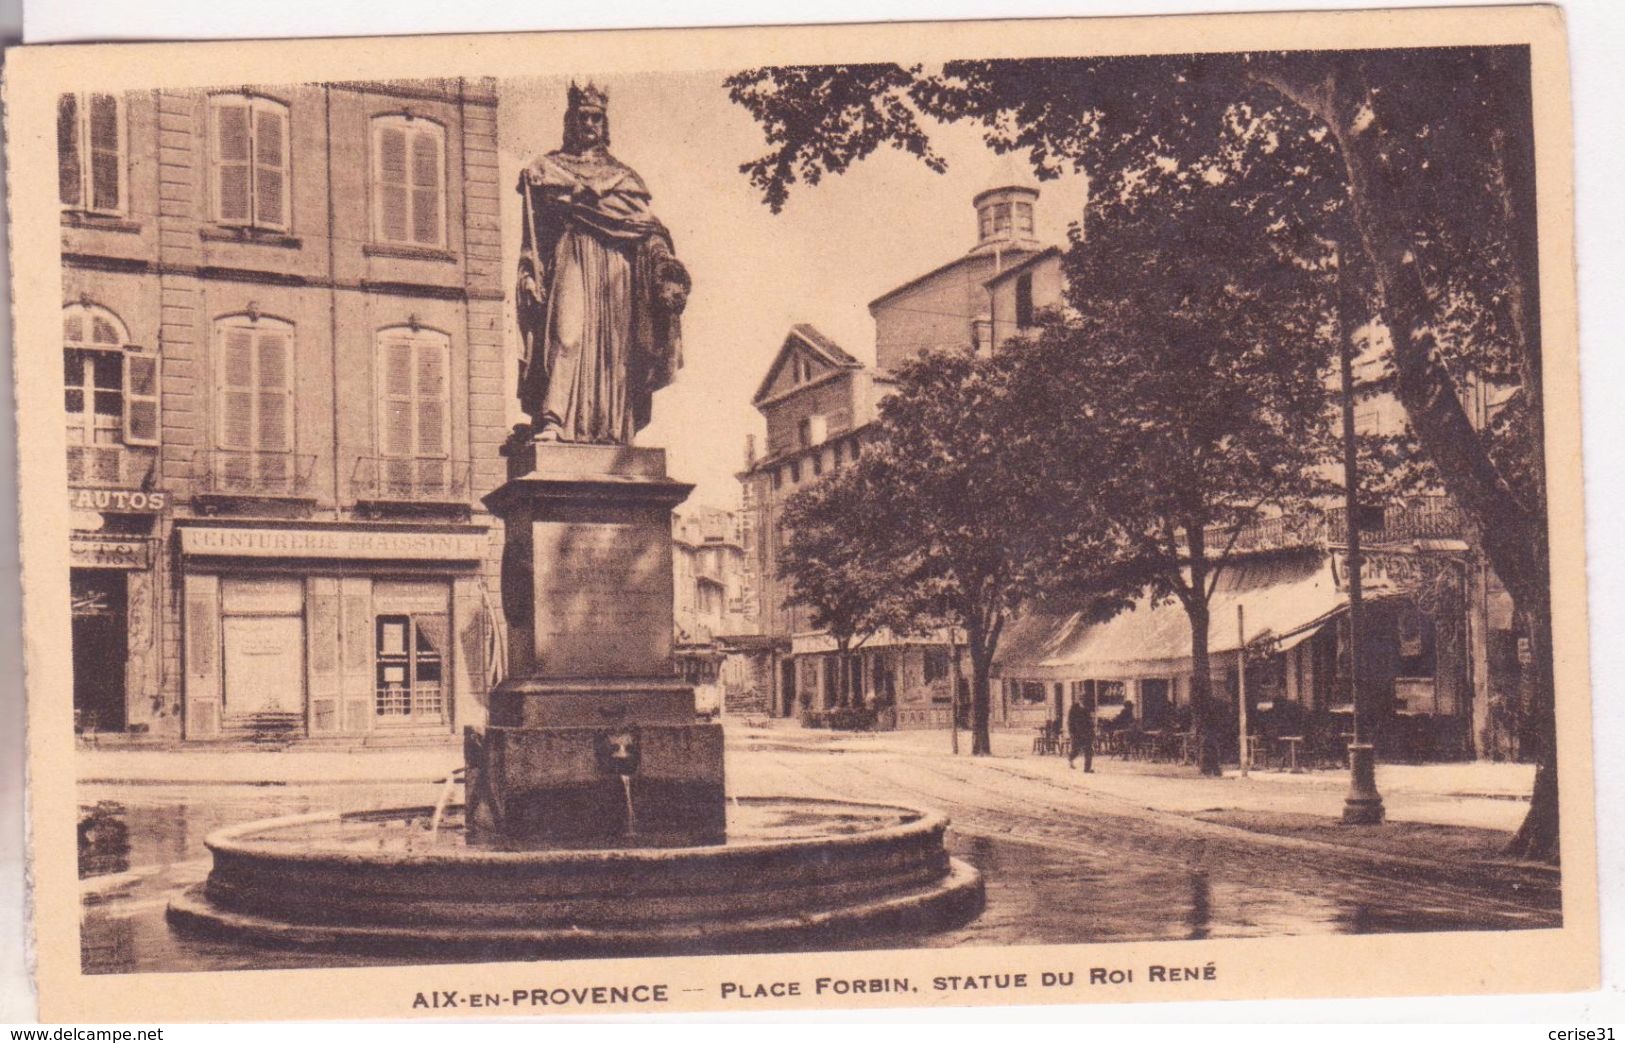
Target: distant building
952,306
282,316
818,401
708,566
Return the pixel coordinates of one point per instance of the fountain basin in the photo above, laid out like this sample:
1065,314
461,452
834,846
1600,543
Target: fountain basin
791,872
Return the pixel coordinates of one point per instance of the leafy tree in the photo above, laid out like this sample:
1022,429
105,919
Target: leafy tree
1415,166
839,567
958,504
1187,387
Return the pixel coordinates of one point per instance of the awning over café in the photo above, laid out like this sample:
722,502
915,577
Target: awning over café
1285,600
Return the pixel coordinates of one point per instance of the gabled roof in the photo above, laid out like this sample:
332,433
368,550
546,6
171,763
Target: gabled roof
806,337
813,337
973,258
1021,266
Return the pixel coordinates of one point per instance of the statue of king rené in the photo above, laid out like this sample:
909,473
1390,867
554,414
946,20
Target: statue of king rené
600,292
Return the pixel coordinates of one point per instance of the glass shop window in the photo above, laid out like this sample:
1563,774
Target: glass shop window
409,670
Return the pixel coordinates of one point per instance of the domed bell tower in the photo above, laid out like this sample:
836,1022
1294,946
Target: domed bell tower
1004,219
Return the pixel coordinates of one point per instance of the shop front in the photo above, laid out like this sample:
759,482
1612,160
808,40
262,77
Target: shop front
332,631
899,682
1137,664
113,590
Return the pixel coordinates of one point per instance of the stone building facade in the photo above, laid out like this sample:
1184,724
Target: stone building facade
818,401
285,395
708,591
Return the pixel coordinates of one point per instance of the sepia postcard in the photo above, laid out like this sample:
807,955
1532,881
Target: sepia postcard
1031,512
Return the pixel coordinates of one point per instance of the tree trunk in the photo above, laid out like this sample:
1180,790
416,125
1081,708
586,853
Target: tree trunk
1513,538
1538,837
1511,534
844,673
981,743
1204,712
1204,709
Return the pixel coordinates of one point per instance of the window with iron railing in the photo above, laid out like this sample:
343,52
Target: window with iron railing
110,394
414,420
254,407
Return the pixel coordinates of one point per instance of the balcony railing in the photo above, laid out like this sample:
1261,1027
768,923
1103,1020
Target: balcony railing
114,465
242,472
1434,517
410,480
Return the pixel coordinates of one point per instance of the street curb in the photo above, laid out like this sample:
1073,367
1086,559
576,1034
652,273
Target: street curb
264,783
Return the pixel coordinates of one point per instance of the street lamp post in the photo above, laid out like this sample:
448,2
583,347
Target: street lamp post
1363,805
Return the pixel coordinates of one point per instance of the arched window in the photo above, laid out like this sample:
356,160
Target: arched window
110,392
1024,300
90,152
409,181
254,384
414,409
249,135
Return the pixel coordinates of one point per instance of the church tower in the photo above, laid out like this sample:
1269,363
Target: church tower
1004,219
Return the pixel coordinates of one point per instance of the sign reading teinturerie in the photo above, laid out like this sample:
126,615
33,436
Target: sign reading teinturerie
333,543
607,641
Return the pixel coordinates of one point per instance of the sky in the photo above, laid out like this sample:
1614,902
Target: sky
835,247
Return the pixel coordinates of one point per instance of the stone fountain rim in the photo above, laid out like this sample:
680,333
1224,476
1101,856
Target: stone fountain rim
231,840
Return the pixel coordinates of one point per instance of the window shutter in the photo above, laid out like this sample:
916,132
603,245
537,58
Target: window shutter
426,188
237,394
270,168
274,399
396,435
431,399
232,162
140,398
392,189
70,173
104,152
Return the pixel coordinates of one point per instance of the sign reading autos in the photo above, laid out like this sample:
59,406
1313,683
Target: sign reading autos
119,501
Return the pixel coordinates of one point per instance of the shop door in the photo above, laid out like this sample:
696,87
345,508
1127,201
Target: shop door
1154,702
264,664
100,647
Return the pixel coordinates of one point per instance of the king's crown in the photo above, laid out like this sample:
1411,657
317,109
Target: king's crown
591,96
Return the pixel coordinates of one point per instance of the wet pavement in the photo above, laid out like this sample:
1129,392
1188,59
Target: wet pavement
1063,863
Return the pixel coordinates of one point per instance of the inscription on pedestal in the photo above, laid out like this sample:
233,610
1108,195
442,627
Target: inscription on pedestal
603,599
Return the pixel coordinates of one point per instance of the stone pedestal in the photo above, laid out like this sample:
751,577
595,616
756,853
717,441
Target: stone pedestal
592,739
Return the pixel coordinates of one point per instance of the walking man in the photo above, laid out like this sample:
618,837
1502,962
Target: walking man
1080,728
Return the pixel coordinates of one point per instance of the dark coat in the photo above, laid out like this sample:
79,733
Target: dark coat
1080,723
